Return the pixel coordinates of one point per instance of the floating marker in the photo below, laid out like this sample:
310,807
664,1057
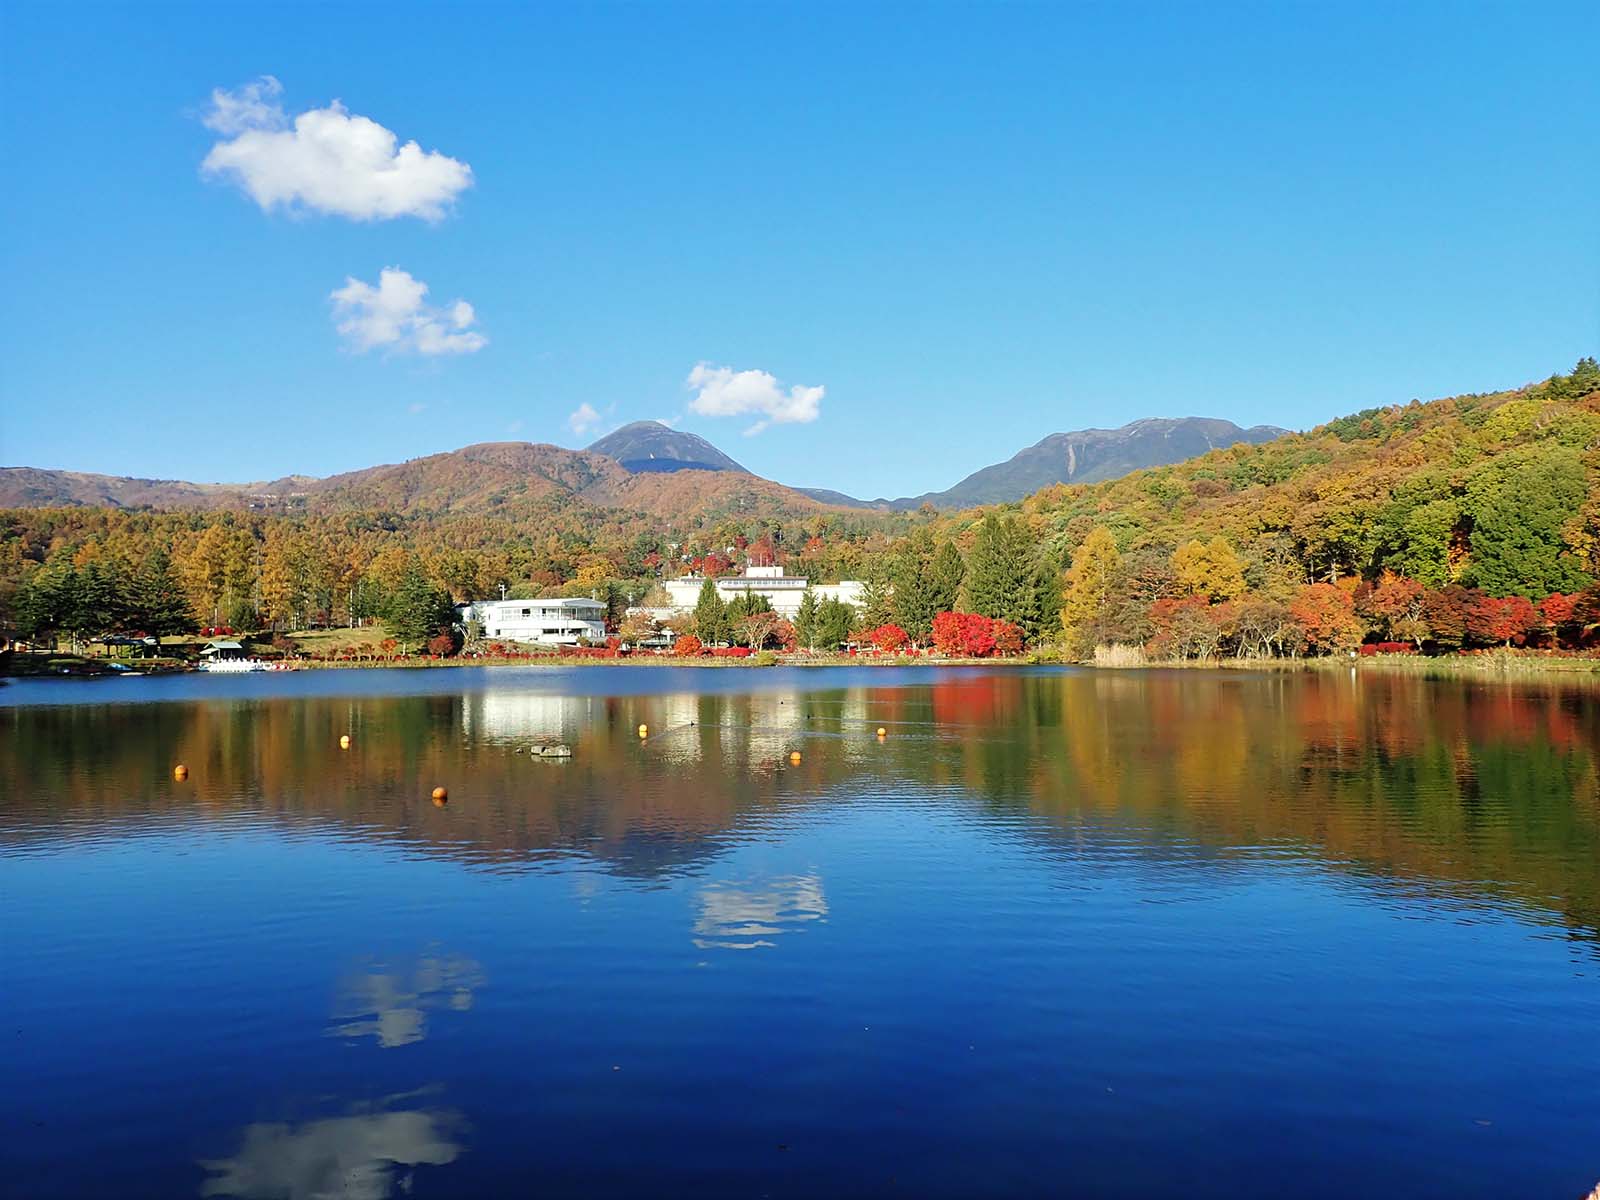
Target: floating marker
344,741
882,732
795,758
440,795
180,772
644,731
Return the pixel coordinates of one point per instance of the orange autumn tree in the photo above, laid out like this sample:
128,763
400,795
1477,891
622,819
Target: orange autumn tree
1327,618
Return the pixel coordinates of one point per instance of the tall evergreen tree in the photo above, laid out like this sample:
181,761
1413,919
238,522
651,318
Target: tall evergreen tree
418,610
834,623
162,607
999,579
710,615
944,579
805,621
1046,597
876,595
911,573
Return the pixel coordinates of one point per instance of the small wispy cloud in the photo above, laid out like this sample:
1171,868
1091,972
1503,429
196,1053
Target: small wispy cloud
395,315
724,392
584,420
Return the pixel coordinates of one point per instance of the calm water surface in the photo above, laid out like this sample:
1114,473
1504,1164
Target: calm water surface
1059,933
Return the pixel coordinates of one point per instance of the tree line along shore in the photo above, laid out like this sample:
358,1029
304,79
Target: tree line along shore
1467,524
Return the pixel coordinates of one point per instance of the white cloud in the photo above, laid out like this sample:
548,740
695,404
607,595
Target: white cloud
584,420
394,315
724,392
326,160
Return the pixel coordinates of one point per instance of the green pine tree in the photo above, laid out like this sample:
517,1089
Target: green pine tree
999,579
710,615
805,621
876,598
911,574
161,609
944,579
1046,598
418,610
835,621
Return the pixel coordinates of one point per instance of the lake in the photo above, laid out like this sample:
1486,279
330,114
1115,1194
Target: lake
1058,932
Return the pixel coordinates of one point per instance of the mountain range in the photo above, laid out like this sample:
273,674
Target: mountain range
645,467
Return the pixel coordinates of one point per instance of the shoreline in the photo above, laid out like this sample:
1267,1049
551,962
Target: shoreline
1490,666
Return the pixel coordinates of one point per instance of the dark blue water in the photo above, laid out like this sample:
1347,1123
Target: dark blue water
1058,933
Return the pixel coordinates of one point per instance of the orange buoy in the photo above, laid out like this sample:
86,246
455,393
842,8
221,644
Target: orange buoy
440,795
795,758
344,741
180,772
644,731
882,732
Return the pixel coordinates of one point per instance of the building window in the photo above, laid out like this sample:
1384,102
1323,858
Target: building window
527,612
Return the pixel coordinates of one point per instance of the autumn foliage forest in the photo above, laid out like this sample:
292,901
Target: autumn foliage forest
1472,521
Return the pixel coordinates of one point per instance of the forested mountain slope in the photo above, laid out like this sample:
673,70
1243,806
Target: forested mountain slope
1497,491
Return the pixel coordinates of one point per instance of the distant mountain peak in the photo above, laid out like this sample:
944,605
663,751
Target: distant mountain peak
1080,456
651,446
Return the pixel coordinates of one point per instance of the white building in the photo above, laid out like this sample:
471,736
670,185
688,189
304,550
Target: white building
549,622
783,592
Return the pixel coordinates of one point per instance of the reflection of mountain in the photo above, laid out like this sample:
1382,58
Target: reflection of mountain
1479,792
364,1156
391,1005
744,916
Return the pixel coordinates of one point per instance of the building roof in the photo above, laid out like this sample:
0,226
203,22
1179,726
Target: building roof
539,602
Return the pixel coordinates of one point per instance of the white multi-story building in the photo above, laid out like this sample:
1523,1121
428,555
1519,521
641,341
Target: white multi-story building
549,622
783,592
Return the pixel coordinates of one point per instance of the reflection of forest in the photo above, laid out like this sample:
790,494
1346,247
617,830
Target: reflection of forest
1477,790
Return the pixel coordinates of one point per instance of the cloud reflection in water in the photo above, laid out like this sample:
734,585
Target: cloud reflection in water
363,1156
391,1005
745,916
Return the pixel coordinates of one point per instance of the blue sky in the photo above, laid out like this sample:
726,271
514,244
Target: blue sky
969,226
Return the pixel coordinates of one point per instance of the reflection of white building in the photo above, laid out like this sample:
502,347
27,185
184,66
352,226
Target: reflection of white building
515,716
783,592
551,622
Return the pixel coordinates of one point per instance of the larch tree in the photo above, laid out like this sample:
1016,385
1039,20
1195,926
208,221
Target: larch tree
1090,580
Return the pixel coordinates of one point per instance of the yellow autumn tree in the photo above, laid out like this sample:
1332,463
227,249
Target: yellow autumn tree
1212,569
1090,579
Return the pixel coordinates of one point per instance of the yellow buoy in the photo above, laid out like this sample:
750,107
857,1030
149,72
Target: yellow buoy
180,772
344,741
882,732
795,758
440,795
644,731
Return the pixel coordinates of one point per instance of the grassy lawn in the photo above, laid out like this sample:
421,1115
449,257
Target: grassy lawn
335,641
